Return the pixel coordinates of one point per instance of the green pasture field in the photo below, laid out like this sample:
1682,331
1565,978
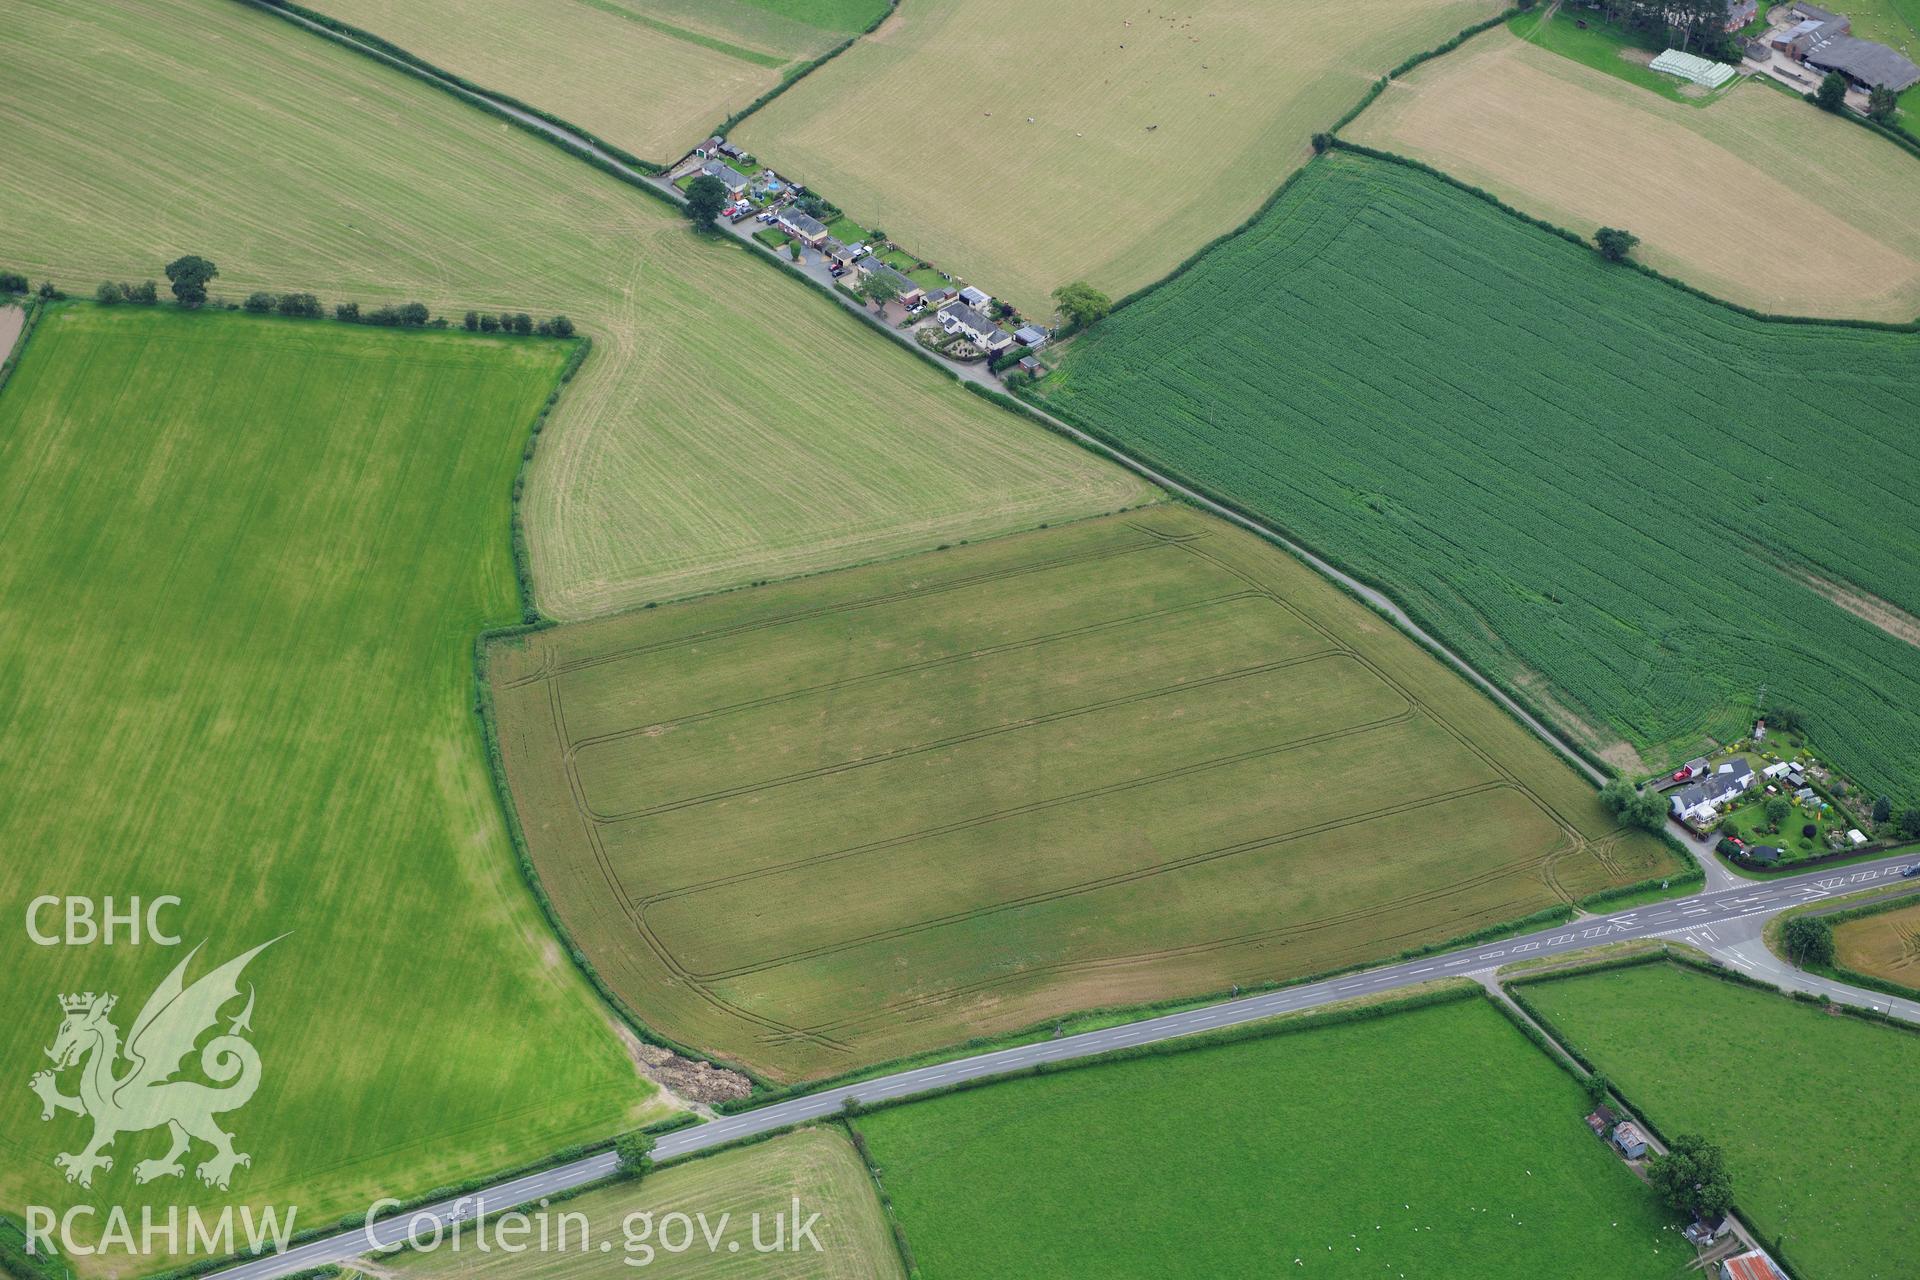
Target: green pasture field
824,824
1594,486
1173,126
731,425
653,79
246,562
1428,1142
1810,1106
1583,37
818,1168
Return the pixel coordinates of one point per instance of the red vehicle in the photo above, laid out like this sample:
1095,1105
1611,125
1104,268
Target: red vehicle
1682,774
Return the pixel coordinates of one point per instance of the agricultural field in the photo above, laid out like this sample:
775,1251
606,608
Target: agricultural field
1594,486
650,76
1172,128
1753,198
1428,1142
818,1168
825,824
1808,1105
246,562
1884,945
731,425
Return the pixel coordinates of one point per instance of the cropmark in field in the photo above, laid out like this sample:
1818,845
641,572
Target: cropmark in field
817,826
1592,485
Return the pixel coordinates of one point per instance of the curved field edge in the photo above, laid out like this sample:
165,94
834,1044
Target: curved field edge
290,554
579,678
729,427
1312,207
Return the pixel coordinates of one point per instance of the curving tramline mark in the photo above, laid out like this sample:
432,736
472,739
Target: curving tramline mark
833,1035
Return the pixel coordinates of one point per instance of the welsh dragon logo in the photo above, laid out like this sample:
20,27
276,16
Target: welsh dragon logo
144,1094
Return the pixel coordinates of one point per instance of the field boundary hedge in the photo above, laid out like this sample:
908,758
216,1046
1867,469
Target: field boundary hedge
1841,973
1765,317
1710,969
1373,91
33,307
794,75
1764,869
421,67
1125,1014
900,1244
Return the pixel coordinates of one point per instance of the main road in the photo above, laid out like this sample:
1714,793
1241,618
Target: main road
1726,923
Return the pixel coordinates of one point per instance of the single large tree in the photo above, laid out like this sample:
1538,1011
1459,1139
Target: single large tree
706,197
1882,104
190,275
1615,244
1832,93
1692,1177
1777,808
1809,940
634,1152
1644,809
1081,303
881,290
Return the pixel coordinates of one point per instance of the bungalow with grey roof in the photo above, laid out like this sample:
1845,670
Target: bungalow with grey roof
734,181
961,318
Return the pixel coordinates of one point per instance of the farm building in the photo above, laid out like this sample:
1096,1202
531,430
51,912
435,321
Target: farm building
1704,1231
975,298
871,268
803,227
961,318
1740,13
1031,366
1697,802
1627,1137
1602,1120
1031,336
1778,769
732,179
1867,63
1751,1265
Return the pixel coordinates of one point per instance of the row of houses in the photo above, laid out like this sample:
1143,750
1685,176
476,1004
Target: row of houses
1824,40
962,312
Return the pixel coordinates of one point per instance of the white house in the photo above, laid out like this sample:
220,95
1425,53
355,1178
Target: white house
1699,801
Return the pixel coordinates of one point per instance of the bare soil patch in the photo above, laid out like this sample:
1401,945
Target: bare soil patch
1866,606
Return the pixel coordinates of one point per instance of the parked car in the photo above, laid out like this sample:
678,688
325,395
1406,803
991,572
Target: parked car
1682,774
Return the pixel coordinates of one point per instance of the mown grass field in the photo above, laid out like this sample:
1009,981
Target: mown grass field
1885,945
817,826
818,1168
729,426
1601,490
1753,197
653,78
246,562
1171,127
1810,1107
1429,1142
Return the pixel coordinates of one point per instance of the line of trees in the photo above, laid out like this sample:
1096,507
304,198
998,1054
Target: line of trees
188,277
1683,24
